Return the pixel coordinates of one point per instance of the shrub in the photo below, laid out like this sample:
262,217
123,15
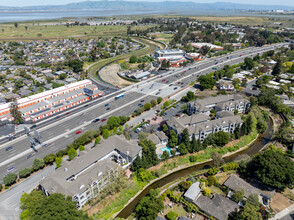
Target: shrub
38,164
72,153
81,148
58,161
24,172
230,166
10,179
212,171
206,192
192,158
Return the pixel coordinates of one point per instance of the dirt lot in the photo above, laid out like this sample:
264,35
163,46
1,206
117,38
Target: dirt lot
109,74
280,202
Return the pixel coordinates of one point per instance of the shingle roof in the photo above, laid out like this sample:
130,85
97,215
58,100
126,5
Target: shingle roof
236,183
219,206
193,192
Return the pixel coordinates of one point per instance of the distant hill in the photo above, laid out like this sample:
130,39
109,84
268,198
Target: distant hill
164,6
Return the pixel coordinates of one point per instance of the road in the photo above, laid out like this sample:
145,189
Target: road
9,200
61,131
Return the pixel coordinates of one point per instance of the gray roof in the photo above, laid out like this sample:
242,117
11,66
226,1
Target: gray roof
155,139
183,218
193,192
223,114
219,206
236,183
88,167
161,135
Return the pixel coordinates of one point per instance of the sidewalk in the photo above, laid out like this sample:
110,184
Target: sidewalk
283,213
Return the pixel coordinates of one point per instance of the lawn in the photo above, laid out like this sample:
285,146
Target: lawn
166,38
41,32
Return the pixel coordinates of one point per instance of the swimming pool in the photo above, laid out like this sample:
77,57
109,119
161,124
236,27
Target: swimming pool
166,149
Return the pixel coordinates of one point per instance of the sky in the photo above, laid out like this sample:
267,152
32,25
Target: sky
61,2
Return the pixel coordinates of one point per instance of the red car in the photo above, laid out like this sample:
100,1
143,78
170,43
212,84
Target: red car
67,113
163,80
104,119
78,132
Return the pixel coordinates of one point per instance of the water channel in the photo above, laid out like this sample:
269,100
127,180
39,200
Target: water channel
256,146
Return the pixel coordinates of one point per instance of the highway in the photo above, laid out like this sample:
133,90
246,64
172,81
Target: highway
61,131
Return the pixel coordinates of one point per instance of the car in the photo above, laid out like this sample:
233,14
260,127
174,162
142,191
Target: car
141,104
170,84
9,148
240,55
179,82
106,105
157,93
67,113
163,80
33,126
96,120
10,169
159,89
175,88
142,100
78,132
86,105
29,156
107,108
104,119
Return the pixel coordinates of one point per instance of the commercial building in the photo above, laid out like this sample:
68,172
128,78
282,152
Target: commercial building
44,104
169,53
212,46
94,169
219,103
193,56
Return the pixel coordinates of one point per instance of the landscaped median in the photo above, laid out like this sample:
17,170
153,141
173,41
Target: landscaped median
167,168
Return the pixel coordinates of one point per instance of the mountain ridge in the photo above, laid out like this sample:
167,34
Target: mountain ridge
146,5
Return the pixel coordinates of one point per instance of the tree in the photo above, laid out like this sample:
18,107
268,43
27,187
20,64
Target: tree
173,138
159,100
165,64
248,63
149,207
15,112
58,161
38,164
222,138
93,54
49,159
186,137
36,205
217,159
76,64
147,106
82,147
15,24
277,68
238,195
153,102
172,215
204,50
164,128
206,82
165,155
105,134
273,168
10,179
133,59
182,149
24,172
62,76
72,153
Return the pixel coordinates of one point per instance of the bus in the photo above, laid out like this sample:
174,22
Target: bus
119,96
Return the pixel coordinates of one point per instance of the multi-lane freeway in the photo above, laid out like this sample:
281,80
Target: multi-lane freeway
60,130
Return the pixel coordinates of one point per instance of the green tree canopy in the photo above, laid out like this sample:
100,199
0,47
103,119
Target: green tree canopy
273,168
36,205
72,153
9,179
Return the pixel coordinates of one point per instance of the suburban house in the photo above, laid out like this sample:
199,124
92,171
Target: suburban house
94,169
201,126
219,103
236,183
218,206
159,138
